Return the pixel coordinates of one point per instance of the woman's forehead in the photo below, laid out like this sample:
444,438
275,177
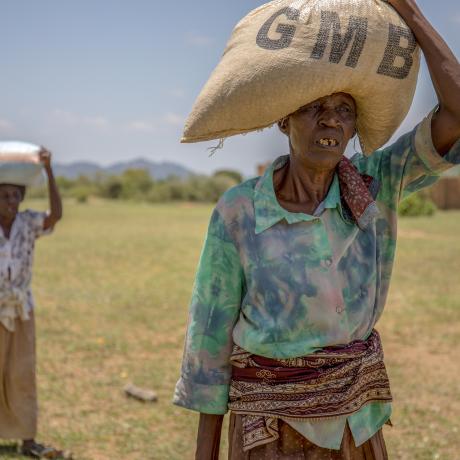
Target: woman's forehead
336,98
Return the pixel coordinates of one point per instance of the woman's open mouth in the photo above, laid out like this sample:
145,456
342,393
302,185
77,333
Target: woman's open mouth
328,142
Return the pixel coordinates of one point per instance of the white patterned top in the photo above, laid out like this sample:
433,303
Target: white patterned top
16,260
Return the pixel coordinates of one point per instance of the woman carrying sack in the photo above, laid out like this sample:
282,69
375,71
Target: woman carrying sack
295,271
18,232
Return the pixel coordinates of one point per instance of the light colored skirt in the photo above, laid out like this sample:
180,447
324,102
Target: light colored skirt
18,394
292,446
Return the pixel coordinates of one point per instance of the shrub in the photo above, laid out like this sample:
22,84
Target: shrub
136,184
235,176
111,188
82,193
417,204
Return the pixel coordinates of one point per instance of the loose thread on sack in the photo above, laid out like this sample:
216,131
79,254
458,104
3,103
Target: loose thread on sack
217,147
220,145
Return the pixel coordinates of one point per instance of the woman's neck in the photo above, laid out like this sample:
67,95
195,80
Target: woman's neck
300,188
6,223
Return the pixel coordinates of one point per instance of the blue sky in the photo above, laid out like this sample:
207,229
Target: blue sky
110,80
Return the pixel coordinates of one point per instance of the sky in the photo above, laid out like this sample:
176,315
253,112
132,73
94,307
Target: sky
112,80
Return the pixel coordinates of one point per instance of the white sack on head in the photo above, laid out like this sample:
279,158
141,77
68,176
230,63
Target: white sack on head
288,53
19,163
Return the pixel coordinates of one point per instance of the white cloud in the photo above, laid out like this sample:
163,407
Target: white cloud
141,126
199,40
73,119
178,93
153,125
174,119
6,127
96,122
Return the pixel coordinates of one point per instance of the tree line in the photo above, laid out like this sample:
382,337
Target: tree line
138,185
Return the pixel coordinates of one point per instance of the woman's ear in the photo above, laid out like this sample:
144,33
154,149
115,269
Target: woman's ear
283,125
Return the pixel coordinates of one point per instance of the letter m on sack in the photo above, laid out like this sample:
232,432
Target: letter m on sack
356,32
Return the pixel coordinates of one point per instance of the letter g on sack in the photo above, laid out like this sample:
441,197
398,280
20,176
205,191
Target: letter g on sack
286,31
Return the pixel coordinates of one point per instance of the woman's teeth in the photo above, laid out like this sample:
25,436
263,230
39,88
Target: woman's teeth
328,142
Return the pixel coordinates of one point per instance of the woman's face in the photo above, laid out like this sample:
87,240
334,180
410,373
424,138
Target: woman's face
319,132
10,199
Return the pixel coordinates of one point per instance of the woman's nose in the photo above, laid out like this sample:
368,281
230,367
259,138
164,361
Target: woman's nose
13,199
329,118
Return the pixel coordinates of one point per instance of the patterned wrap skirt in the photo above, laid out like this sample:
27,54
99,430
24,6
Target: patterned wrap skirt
333,382
18,395
290,445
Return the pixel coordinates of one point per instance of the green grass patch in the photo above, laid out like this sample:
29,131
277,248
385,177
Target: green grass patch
112,287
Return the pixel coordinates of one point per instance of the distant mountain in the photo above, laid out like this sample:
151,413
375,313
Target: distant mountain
157,171
73,170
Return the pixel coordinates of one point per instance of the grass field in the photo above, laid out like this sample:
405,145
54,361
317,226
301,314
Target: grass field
112,287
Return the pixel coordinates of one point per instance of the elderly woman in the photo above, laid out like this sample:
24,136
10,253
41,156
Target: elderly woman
294,276
18,232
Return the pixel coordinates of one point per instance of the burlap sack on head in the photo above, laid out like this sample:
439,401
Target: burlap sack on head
19,163
288,53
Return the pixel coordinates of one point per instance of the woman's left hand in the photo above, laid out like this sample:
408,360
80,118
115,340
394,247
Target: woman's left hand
45,157
444,71
396,3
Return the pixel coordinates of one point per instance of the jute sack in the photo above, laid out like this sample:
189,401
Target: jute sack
19,163
288,53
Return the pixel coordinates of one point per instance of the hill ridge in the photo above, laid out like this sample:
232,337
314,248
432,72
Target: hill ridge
157,170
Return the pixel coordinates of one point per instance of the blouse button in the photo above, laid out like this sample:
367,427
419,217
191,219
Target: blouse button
340,309
328,262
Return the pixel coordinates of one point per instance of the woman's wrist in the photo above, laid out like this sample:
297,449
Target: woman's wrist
405,8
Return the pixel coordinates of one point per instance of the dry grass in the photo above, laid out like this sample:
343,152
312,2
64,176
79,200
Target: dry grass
112,287
420,330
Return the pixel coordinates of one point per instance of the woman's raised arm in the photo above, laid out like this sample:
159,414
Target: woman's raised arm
444,70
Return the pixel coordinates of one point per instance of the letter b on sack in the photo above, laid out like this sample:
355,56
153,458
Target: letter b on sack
394,50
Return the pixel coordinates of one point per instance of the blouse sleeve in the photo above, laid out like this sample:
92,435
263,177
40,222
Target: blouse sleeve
214,309
410,164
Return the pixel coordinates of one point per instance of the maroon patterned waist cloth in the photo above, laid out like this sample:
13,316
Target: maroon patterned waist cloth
333,382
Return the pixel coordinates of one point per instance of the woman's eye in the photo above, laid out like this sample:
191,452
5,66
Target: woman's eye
347,110
312,108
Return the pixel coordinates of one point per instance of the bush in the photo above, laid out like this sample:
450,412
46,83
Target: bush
111,188
218,185
136,184
417,204
82,193
196,188
235,176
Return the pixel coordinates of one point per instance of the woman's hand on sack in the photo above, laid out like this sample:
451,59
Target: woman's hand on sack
445,74
396,4
45,158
